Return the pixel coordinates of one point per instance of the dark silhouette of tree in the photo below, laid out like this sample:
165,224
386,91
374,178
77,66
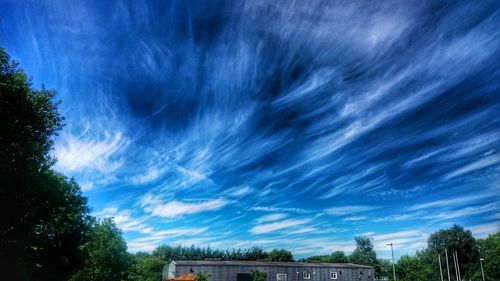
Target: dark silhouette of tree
44,216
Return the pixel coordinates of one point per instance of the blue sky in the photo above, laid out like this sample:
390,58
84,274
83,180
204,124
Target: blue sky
283,124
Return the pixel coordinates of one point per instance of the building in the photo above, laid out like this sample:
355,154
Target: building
276,271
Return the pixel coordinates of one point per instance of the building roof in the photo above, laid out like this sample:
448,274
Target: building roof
269,263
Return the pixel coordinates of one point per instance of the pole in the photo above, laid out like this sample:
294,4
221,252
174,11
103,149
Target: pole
482,270
455,265
447,264
440,269
393,266
458,267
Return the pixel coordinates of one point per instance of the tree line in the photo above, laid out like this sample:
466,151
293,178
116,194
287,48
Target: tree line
47,232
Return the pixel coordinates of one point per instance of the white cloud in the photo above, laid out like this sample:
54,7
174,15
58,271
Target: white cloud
281,209
477,165
271,227
453,202
271,217
175,208
239,191
483,230
403,241
355,218
125,221
78,153
149,176
347,210
465,212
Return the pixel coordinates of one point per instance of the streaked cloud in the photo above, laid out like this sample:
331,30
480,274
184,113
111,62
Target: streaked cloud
176,208
348,210
251,129
275,226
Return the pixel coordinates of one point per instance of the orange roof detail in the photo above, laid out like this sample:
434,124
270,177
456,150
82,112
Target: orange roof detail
185,277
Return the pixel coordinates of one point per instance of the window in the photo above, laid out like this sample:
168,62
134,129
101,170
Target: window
306,275
333,275
280,277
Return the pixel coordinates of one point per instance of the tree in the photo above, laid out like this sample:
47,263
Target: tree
45,217
280,255
106,254
334,257
257,275
145,267
364,253
338,257
414,268
456,239
202,276
489,250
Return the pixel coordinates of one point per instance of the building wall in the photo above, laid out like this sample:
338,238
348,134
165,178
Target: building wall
228,272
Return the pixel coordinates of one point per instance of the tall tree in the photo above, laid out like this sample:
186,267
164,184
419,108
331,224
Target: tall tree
44,216
455,239
106,257
364,253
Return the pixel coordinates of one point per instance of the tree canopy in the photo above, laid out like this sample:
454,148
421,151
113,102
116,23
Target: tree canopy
106,257
47,215
280,255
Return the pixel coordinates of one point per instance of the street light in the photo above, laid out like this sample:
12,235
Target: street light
393,267
481,262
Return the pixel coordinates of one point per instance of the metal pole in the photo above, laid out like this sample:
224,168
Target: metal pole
447,264
455,265
393,266
458,267
482,270
440,269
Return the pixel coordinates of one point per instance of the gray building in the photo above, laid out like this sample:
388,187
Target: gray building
276,271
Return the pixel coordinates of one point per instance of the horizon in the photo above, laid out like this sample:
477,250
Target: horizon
280,126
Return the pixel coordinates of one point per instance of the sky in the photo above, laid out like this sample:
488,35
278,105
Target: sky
280,124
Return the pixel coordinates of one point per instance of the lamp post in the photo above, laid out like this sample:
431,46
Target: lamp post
482,270
393,267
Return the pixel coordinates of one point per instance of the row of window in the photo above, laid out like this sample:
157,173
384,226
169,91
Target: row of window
305,275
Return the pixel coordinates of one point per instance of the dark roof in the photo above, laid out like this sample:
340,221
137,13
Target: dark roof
270,263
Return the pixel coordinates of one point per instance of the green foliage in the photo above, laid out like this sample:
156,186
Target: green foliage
146,267
489,249
47,215
280,255
106,257
459,240
414,268
334,257
257,275
168,253
202,276
364,253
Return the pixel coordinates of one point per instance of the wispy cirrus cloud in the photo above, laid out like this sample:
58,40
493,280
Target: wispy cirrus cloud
252,116
80,153
276,226
125,221
176,208
476,165
348,210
